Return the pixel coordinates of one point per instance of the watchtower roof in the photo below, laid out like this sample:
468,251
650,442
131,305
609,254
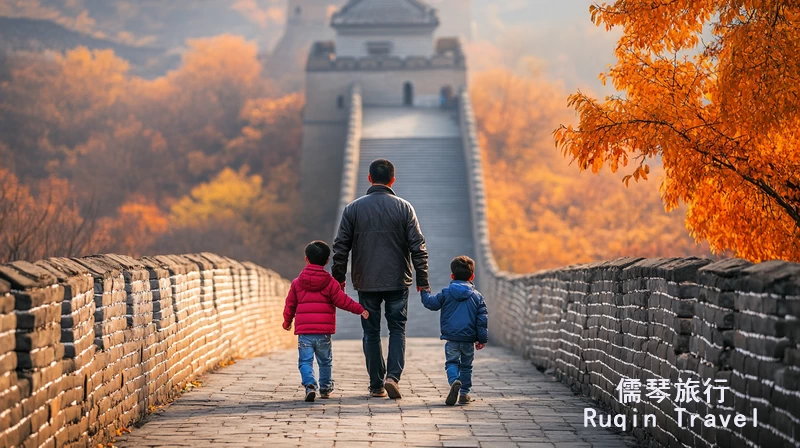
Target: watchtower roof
360,13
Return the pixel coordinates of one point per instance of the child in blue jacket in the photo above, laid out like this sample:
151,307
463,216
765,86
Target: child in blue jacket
464,324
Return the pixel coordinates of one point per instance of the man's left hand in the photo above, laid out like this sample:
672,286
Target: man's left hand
423,288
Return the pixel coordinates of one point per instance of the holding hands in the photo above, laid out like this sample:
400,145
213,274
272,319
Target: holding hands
365,314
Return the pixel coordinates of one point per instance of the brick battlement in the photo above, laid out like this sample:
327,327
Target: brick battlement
448,55
90,345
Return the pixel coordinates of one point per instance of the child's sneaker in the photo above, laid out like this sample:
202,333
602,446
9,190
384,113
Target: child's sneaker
326,392
311,393
464,399
453,395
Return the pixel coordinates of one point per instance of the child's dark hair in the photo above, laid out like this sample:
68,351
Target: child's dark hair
318,253
462,268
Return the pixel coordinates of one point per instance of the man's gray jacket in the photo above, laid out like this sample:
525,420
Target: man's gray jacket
382,231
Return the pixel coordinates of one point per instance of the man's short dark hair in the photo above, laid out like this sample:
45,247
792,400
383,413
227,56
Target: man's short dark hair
318,253
381,171
462,268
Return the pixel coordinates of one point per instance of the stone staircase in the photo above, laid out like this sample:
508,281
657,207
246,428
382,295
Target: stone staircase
431,174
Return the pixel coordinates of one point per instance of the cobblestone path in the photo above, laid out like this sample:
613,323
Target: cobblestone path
258,402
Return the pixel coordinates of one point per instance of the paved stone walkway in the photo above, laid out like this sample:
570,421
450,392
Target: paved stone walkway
258,402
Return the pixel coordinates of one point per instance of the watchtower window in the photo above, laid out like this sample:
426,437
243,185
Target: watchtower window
382,48
340,102
298,11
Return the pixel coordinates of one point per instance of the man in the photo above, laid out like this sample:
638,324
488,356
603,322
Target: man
382,231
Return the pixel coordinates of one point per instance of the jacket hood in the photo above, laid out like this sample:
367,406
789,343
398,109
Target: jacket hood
461,290
314,278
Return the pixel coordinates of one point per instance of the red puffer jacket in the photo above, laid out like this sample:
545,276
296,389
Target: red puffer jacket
313,298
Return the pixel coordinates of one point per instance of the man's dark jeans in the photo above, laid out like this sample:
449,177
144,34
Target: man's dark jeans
396,317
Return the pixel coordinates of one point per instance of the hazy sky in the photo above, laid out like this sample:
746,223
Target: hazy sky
557,33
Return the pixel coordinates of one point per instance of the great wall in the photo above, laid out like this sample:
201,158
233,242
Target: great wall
89,346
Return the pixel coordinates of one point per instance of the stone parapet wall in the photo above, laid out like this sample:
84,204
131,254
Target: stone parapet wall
89,346
352,152
648,319
487,266
448,54
316,64
673,319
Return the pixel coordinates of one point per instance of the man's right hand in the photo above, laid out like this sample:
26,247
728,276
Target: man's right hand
423,288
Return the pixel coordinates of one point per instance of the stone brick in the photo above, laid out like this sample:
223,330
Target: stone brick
39,317
39,338
19,280
38,297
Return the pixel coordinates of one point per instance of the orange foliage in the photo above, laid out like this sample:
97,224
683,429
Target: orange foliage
722,116
542,213
136,146
235,213
138,223
42,221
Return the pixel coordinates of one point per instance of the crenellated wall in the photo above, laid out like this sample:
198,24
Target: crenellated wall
650,319
352,153
90,345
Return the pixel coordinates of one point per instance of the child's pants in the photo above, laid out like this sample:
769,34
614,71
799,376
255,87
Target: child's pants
310,345
459,357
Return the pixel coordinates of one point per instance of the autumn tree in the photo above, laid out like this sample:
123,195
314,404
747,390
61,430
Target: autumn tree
50,106
43,221
198,107
237,215
543,213
138,224
711,90
134,148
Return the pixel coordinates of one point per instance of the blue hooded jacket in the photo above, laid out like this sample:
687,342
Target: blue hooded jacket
464,316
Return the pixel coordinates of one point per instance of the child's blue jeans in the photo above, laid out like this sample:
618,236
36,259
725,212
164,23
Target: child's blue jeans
458,365
319,345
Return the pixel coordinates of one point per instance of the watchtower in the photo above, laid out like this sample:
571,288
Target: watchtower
388,48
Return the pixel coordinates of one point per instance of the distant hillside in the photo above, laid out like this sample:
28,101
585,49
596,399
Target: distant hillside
22,34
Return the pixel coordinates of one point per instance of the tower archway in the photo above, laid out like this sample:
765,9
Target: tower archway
408,94
446,96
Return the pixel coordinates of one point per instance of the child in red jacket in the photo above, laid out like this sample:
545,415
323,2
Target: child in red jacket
313,299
